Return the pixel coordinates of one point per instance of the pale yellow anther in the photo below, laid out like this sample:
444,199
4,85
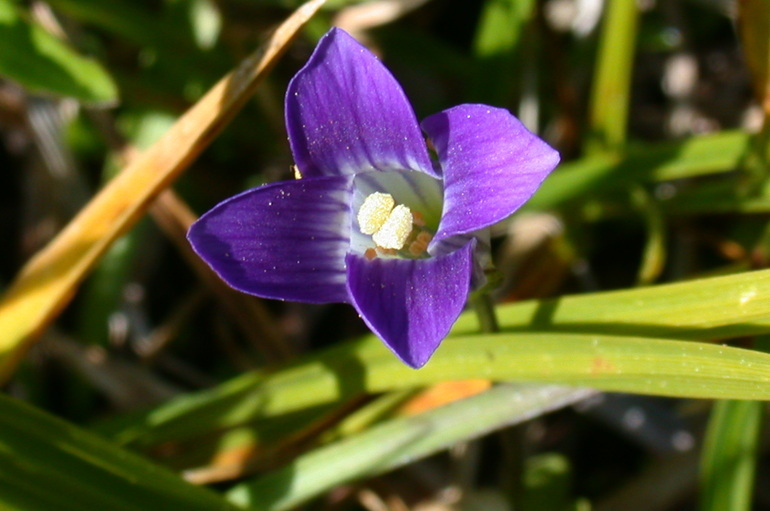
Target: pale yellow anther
374,212
396,229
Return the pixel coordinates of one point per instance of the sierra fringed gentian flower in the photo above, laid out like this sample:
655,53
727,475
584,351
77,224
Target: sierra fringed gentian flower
373,220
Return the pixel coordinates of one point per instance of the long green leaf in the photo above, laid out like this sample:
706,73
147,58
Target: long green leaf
42,63
625,364
47,464
398,442
612,86
703,309
712,308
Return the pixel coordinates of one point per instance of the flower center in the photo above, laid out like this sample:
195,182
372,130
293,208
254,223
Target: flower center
392,227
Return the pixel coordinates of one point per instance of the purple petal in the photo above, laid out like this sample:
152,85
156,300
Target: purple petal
411,304
345,113
285,240
491,164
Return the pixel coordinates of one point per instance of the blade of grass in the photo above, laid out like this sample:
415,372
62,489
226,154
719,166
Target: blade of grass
608,110
720,307
711,308
398,442
696,156
654,254
623,364
49,280
47,463
730,455
496,47
247,454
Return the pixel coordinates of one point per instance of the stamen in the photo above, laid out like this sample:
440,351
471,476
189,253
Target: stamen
396,229
374,212
417,249
419,246
392,227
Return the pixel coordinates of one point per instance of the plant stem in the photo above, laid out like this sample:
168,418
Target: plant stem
485,311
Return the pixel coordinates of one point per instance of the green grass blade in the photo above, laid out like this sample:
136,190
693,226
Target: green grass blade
711,308
696,156
398,442
730,456
719,196
42,63
612,87
496,47
654,254
624,364
714,308
47,463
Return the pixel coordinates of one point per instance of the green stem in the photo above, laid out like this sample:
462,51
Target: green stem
485,311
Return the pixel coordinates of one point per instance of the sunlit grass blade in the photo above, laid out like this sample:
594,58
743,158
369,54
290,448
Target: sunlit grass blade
48,281
398,442
730,456
624,364
611,90
40,62
707,309
714,308
47,463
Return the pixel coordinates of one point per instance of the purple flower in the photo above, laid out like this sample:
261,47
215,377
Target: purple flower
374,221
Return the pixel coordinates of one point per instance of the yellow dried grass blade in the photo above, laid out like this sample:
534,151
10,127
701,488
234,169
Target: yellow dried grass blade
47,282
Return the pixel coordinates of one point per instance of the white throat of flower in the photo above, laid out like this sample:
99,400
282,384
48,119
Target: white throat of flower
391,226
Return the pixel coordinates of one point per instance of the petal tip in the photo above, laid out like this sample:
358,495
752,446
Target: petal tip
416,361
345,113
411,304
